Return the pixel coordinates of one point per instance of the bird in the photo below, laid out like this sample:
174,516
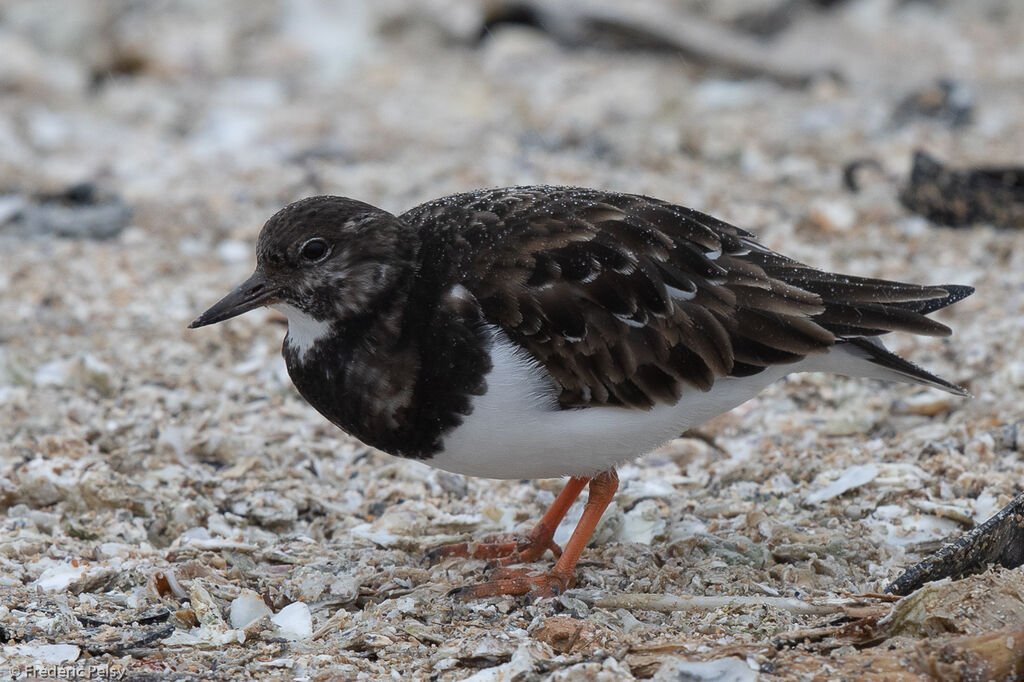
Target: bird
554,332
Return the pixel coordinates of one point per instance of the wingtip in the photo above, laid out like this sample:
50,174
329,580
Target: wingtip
956,292
899,368
958,390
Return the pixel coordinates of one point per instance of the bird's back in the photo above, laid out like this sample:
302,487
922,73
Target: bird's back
632,301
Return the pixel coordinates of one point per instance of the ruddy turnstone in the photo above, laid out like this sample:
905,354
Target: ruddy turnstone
534,332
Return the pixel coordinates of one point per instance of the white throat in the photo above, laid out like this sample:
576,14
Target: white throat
303,330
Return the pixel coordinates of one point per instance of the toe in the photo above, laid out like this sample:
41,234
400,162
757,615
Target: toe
516,582
459,549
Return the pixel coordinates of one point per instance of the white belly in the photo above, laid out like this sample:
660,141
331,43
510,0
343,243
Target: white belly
516,429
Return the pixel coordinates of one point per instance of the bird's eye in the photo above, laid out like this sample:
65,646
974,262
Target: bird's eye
314,250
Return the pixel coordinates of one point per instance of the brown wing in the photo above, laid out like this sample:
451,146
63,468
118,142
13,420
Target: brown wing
628,300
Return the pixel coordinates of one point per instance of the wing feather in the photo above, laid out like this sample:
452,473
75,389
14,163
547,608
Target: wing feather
630,300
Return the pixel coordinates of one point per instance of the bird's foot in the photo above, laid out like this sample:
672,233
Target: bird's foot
500,550
517,581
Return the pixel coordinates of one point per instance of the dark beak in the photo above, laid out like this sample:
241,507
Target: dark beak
252,293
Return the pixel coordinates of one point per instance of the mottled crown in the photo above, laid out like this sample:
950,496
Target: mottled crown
367,252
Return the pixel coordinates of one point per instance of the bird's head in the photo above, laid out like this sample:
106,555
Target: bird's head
327,258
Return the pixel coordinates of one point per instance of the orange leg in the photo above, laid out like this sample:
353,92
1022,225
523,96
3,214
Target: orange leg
513,549
560,578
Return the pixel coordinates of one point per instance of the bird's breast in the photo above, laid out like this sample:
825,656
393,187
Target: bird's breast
401,397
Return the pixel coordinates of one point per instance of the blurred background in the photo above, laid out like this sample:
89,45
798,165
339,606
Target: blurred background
143,145
396,102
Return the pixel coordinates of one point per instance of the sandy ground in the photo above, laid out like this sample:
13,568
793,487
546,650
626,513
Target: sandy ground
173,510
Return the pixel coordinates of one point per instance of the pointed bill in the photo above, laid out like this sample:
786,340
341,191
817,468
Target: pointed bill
252,293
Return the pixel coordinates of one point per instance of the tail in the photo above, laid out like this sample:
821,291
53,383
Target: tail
953,293
856,306
859,310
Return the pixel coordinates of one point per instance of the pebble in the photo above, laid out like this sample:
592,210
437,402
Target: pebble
11,206
852,477
50,654
233,252
294,622
103,220
928,404
643,523
729,669
247,608
832,215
